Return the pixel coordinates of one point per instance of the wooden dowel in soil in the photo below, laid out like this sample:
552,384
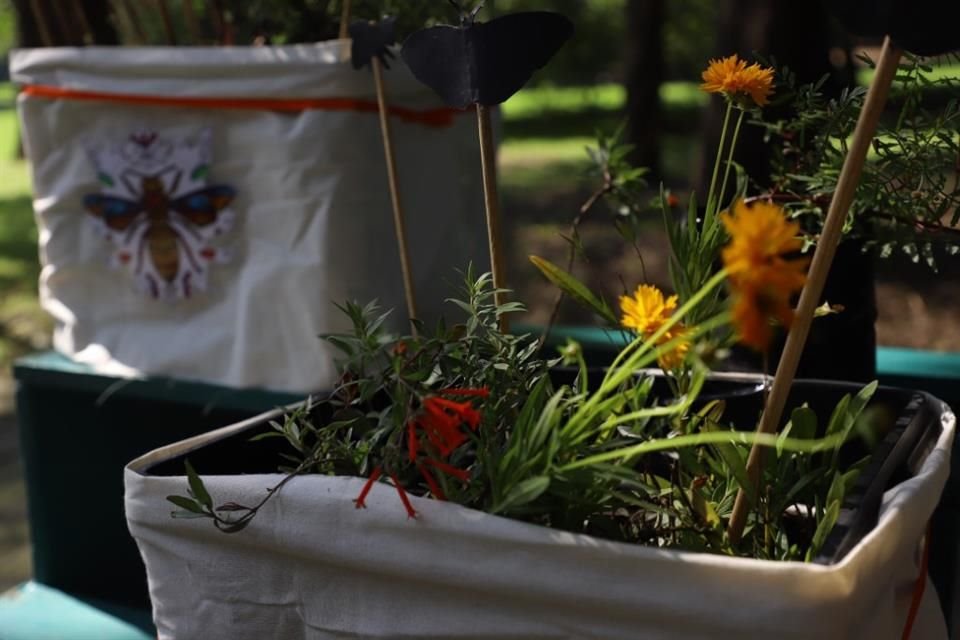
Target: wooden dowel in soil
399,222
491,202
40,18
344,20
168,29
816,277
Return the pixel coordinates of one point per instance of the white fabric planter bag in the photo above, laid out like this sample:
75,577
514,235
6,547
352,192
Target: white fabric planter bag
311,565
201,209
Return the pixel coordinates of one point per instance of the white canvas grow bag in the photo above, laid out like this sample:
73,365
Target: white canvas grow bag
311,565
273,204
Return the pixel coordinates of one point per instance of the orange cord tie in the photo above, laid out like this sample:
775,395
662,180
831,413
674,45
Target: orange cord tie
442,117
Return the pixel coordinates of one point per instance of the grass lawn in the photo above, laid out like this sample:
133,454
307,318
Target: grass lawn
23,326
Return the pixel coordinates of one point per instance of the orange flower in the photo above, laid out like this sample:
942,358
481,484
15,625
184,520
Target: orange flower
646,312
752,314
763,280
732,76
760,236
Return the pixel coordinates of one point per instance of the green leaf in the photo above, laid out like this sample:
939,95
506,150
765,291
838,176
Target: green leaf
199,172
826,525
736,462
105,178
196,486
524,493
804,423
837,488
703,508
574,288
188,504
836,424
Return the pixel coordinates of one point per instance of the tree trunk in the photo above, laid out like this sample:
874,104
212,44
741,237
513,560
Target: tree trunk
644,74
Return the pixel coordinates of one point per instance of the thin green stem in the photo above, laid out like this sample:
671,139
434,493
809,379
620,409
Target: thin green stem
716,164
733,147
799,445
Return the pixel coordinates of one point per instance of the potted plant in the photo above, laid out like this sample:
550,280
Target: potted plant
456,484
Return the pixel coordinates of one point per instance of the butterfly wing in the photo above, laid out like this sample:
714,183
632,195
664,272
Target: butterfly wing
507,51
437,57
117,213
202,206
371,39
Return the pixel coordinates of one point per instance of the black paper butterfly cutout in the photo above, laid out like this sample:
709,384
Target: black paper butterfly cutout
484,62
923,27
372,39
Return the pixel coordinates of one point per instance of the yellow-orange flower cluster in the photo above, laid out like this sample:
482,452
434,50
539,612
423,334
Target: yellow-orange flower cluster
732,76
762,276
646,312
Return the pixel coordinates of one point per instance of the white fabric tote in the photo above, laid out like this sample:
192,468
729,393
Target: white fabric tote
202,209
311,566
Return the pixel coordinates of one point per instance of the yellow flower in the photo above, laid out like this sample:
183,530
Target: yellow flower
731,76
761,276
646,312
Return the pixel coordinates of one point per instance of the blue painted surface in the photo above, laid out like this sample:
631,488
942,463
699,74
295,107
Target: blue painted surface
35,612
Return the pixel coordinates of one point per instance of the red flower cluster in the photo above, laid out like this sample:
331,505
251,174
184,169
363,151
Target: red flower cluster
441,423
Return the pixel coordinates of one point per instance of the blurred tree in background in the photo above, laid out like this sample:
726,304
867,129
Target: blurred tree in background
638,43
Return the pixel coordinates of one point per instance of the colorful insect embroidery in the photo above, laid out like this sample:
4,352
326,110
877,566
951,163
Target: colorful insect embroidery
157,209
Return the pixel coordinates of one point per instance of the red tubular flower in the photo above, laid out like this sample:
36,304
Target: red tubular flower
413,444
441,422
432,483
360,500
448,469
411,512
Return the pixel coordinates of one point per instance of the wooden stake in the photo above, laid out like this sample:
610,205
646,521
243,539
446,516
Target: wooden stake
167,22
345,20
826,248
398,217
491,202
40,18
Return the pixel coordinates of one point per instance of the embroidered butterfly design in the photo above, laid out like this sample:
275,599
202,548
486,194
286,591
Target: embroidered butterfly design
161,223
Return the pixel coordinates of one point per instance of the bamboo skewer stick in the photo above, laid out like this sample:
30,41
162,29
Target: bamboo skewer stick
816,277
491,203
43,29
345,21
168,29
398,217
